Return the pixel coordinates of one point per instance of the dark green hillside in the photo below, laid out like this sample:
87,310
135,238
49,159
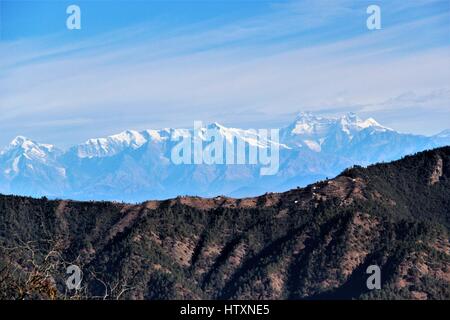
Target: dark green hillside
309,243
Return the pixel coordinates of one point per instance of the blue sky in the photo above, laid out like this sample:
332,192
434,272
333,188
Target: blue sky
153,64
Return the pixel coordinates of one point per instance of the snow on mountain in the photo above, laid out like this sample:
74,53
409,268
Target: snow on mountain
30,168
157,135
351,123
130,139
103,147
25,153
255,138
28,148
309,124
313,131
136,165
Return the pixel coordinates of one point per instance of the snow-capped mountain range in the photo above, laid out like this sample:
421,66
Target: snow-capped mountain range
135,166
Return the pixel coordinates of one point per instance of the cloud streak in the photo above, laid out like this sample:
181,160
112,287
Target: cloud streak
271,65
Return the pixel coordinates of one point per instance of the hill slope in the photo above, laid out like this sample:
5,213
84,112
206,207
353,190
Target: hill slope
309,243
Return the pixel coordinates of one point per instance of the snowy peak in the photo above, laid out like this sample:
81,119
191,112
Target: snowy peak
307,123
215,125
28,148
25,155
252,137
157,135
109,146
129,138
351,122
20,141
315,132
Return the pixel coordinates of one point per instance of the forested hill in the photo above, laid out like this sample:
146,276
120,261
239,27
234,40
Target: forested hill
307,243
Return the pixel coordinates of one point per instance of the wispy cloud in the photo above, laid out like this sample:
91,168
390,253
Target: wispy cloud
296,57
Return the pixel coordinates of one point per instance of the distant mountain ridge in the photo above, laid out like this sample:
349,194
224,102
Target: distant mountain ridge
134,166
